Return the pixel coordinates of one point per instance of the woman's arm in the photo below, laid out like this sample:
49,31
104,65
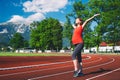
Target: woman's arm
73,26
89,20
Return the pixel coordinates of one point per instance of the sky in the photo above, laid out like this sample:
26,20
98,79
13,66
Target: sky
27,11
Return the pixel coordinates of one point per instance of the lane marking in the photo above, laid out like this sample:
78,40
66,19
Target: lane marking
50,75
113,60
103,74
46,69
71,71
89,57
30,66
33,71
93,61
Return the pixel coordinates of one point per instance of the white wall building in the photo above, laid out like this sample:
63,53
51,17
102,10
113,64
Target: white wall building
103,49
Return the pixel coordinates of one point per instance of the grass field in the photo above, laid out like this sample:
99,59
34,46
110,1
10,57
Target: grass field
32,54
46,54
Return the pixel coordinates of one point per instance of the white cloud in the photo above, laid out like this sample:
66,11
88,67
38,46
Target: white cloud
40,7
35,17
17,18
44,6
28,20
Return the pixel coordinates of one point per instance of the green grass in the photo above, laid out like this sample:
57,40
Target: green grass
32,54
110,53
105,53
45,54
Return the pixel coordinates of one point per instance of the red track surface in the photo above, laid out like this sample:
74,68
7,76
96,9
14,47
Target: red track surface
95,67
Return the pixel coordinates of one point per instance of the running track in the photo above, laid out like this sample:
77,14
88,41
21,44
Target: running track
95,67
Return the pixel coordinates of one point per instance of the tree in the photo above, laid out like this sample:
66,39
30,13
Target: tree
34,25
108,23
47,35
109,27
17,41
67,30
113,15
96,6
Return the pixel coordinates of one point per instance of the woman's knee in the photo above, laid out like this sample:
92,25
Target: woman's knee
73,56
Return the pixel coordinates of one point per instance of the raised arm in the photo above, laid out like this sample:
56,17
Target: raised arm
73,26
89,20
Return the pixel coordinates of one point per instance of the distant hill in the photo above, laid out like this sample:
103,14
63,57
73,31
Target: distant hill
8,29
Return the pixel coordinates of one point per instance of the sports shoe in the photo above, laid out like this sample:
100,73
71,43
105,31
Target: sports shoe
75,74
80,74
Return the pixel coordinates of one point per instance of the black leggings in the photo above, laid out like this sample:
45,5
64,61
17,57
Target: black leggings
77,52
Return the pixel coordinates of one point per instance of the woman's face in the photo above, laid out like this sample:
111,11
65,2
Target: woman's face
78,21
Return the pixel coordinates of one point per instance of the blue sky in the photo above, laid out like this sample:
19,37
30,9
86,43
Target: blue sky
27,11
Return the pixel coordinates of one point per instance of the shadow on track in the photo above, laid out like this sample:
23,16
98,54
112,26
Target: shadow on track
101,70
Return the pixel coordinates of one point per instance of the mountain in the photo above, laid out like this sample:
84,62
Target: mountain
8,29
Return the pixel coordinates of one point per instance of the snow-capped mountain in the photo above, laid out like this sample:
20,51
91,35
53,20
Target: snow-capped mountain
8,29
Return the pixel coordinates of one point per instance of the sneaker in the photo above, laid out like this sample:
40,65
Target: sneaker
75,74
80,74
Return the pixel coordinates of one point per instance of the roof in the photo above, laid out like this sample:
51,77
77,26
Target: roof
103,44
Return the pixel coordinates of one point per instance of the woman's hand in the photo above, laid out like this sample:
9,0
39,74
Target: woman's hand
96,15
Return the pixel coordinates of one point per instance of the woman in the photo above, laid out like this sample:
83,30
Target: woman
78,42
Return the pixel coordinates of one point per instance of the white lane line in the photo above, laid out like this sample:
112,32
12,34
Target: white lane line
93,61
103,74
33,71
50,75
30,66
113,60
71,71
89,57
46,69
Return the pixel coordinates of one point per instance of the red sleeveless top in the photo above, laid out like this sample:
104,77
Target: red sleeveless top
77,35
